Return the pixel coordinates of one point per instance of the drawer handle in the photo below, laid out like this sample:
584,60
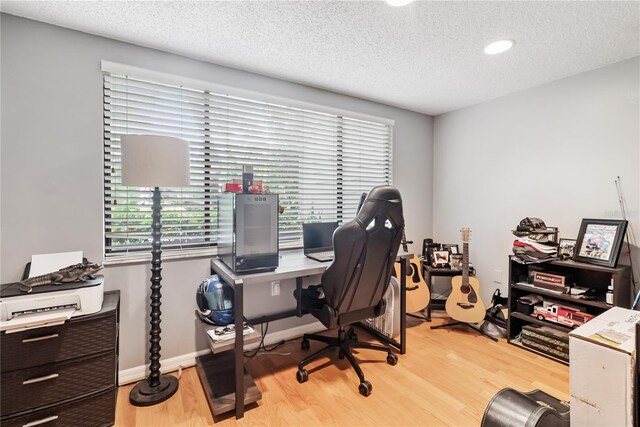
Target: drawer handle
42,421
45,337
39,379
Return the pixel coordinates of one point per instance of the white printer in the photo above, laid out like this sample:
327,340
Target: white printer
48,305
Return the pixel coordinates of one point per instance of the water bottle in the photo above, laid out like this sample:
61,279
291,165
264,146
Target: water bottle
609,294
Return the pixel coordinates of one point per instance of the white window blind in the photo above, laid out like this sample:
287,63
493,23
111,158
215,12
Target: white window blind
318,163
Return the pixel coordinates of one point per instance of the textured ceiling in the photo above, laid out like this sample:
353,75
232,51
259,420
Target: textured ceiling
425,57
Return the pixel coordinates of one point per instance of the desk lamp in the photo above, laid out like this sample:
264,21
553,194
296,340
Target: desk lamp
154,161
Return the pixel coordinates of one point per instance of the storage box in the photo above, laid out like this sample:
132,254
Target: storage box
546,340
524,306
602,365
548,334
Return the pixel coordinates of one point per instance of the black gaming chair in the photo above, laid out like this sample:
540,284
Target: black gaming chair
353,286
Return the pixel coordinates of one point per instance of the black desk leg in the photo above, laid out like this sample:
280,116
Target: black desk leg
299,296
428,287
239,350
403,306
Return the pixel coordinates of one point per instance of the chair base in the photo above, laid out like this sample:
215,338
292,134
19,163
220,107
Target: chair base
345,343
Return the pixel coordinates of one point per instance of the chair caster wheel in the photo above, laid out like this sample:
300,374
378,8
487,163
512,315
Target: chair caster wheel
365,388
304,344
353,336
392,359
302,376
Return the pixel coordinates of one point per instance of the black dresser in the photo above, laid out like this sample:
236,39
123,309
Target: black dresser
64,375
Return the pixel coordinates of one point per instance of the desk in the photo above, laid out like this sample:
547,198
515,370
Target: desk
293,264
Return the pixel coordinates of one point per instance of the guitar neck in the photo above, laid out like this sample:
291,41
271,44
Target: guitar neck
404,242
465,263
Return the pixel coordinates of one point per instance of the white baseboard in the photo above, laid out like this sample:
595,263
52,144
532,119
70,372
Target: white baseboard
138,373
172,364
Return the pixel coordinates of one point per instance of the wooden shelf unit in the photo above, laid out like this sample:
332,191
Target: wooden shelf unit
562,297
584,275
533,350
429,273
216,372
218,382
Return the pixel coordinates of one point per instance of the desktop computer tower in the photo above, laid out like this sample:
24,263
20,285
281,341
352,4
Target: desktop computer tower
248,231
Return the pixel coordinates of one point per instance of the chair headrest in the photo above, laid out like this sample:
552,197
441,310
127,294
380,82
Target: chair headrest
383,199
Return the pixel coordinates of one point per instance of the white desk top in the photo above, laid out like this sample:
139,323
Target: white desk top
292,264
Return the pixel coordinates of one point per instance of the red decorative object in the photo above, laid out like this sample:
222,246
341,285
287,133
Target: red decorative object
562,314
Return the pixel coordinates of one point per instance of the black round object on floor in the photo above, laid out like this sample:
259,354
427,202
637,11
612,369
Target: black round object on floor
145,395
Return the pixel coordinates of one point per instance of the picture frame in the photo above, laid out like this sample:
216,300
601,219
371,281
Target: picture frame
451,247
566,248
429,249
455,261
440,259
599,241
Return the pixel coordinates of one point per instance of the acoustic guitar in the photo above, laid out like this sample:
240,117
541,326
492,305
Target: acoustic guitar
464,303
417,294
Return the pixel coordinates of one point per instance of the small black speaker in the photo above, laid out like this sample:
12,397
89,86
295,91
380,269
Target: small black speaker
425,245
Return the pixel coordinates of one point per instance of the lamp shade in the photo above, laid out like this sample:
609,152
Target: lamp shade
154,161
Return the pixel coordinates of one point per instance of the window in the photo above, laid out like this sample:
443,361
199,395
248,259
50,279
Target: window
318,163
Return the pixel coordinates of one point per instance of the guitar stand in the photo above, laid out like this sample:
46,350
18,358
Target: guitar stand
475,328
416,316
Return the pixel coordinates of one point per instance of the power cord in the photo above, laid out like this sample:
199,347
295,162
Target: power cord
261,346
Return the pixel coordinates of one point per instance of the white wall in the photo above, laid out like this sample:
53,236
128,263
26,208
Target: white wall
552,152
51,170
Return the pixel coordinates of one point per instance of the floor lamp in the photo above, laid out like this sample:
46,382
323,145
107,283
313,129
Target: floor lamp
154,161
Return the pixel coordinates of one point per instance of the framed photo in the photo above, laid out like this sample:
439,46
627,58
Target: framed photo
565,248
451,247
440,259
456,261
599,241
429,249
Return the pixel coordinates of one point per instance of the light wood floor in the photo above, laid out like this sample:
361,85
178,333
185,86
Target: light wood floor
446,378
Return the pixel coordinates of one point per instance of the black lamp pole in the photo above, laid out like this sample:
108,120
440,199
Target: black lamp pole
156,388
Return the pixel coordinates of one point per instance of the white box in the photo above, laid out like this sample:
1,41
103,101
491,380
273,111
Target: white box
602,362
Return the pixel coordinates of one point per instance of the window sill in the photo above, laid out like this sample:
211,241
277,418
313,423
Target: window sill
145,257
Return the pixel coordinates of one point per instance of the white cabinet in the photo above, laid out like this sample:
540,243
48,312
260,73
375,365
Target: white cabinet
602,366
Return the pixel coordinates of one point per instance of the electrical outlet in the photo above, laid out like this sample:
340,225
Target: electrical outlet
497,276
275,288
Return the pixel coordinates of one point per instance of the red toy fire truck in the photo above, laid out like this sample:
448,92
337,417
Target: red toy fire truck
563,314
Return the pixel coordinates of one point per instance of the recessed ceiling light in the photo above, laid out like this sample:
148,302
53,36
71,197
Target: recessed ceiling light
398,2
498,47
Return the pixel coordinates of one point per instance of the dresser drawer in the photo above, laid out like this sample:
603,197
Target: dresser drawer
55,382
95,410
77,337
